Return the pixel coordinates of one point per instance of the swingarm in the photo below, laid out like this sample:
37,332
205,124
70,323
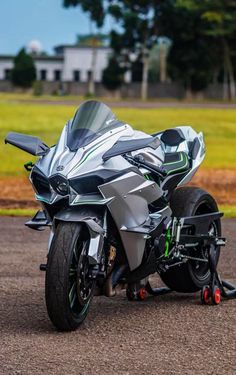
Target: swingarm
183,235
193,232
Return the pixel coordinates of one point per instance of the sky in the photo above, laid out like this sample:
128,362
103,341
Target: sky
22,21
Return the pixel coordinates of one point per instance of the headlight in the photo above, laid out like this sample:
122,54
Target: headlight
59,184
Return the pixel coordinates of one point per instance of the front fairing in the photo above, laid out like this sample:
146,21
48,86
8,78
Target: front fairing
66,165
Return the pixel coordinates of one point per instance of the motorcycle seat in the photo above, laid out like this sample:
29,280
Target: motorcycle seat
172,137
176,162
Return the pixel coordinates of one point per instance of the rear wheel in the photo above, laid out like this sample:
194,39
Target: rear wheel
68,287
193,275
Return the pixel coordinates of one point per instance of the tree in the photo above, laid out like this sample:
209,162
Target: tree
138,20
24,72
158,60
88,39
191,59
95,9
220,28
202,35
113,75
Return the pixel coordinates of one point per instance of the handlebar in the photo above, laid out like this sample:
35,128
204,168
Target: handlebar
139,161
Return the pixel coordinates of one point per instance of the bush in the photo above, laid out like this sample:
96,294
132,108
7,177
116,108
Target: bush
24,72
88,96
112,77
37,88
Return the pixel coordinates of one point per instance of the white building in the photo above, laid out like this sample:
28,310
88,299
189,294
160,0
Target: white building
69,64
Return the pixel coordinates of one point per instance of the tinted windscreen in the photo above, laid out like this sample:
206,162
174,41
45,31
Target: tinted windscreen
90,121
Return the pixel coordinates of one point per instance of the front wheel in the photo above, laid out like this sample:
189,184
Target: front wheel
68,287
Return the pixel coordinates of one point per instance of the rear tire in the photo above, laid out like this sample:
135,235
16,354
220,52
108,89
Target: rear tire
192,276
68,293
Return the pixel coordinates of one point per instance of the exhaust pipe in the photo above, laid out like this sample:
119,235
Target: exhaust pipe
112,281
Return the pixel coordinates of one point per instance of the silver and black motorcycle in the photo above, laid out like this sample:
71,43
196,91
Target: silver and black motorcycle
117,212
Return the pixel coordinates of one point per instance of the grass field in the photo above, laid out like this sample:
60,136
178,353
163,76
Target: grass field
229,211
46,122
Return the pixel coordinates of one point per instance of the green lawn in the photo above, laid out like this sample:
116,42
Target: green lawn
27,212
46,122
229,211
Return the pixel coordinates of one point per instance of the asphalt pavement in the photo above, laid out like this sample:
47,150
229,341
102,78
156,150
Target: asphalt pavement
172,334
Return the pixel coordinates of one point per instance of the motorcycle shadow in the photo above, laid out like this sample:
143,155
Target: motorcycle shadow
25,312
106,309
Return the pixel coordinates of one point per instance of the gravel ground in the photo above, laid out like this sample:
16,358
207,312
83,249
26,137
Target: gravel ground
172,334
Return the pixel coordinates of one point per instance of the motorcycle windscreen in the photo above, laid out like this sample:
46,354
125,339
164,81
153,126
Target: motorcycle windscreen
91,120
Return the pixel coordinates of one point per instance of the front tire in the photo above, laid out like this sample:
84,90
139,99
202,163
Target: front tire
192,276
68,289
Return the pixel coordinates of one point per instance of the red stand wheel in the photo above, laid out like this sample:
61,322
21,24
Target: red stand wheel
141,295
216,295
206,295
134,294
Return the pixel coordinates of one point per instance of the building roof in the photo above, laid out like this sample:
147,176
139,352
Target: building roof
48,58
7,57
35,57
59,49
58,52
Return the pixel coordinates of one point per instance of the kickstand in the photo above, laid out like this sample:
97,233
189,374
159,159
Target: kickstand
217,288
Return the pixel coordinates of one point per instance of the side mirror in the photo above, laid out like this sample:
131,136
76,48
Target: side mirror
28,143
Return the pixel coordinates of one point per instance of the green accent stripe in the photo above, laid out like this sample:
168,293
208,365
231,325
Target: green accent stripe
168,242
86,156
99,202
41,199
181,167
175,162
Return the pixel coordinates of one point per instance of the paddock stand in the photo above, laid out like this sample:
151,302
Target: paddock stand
211,293
217,288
